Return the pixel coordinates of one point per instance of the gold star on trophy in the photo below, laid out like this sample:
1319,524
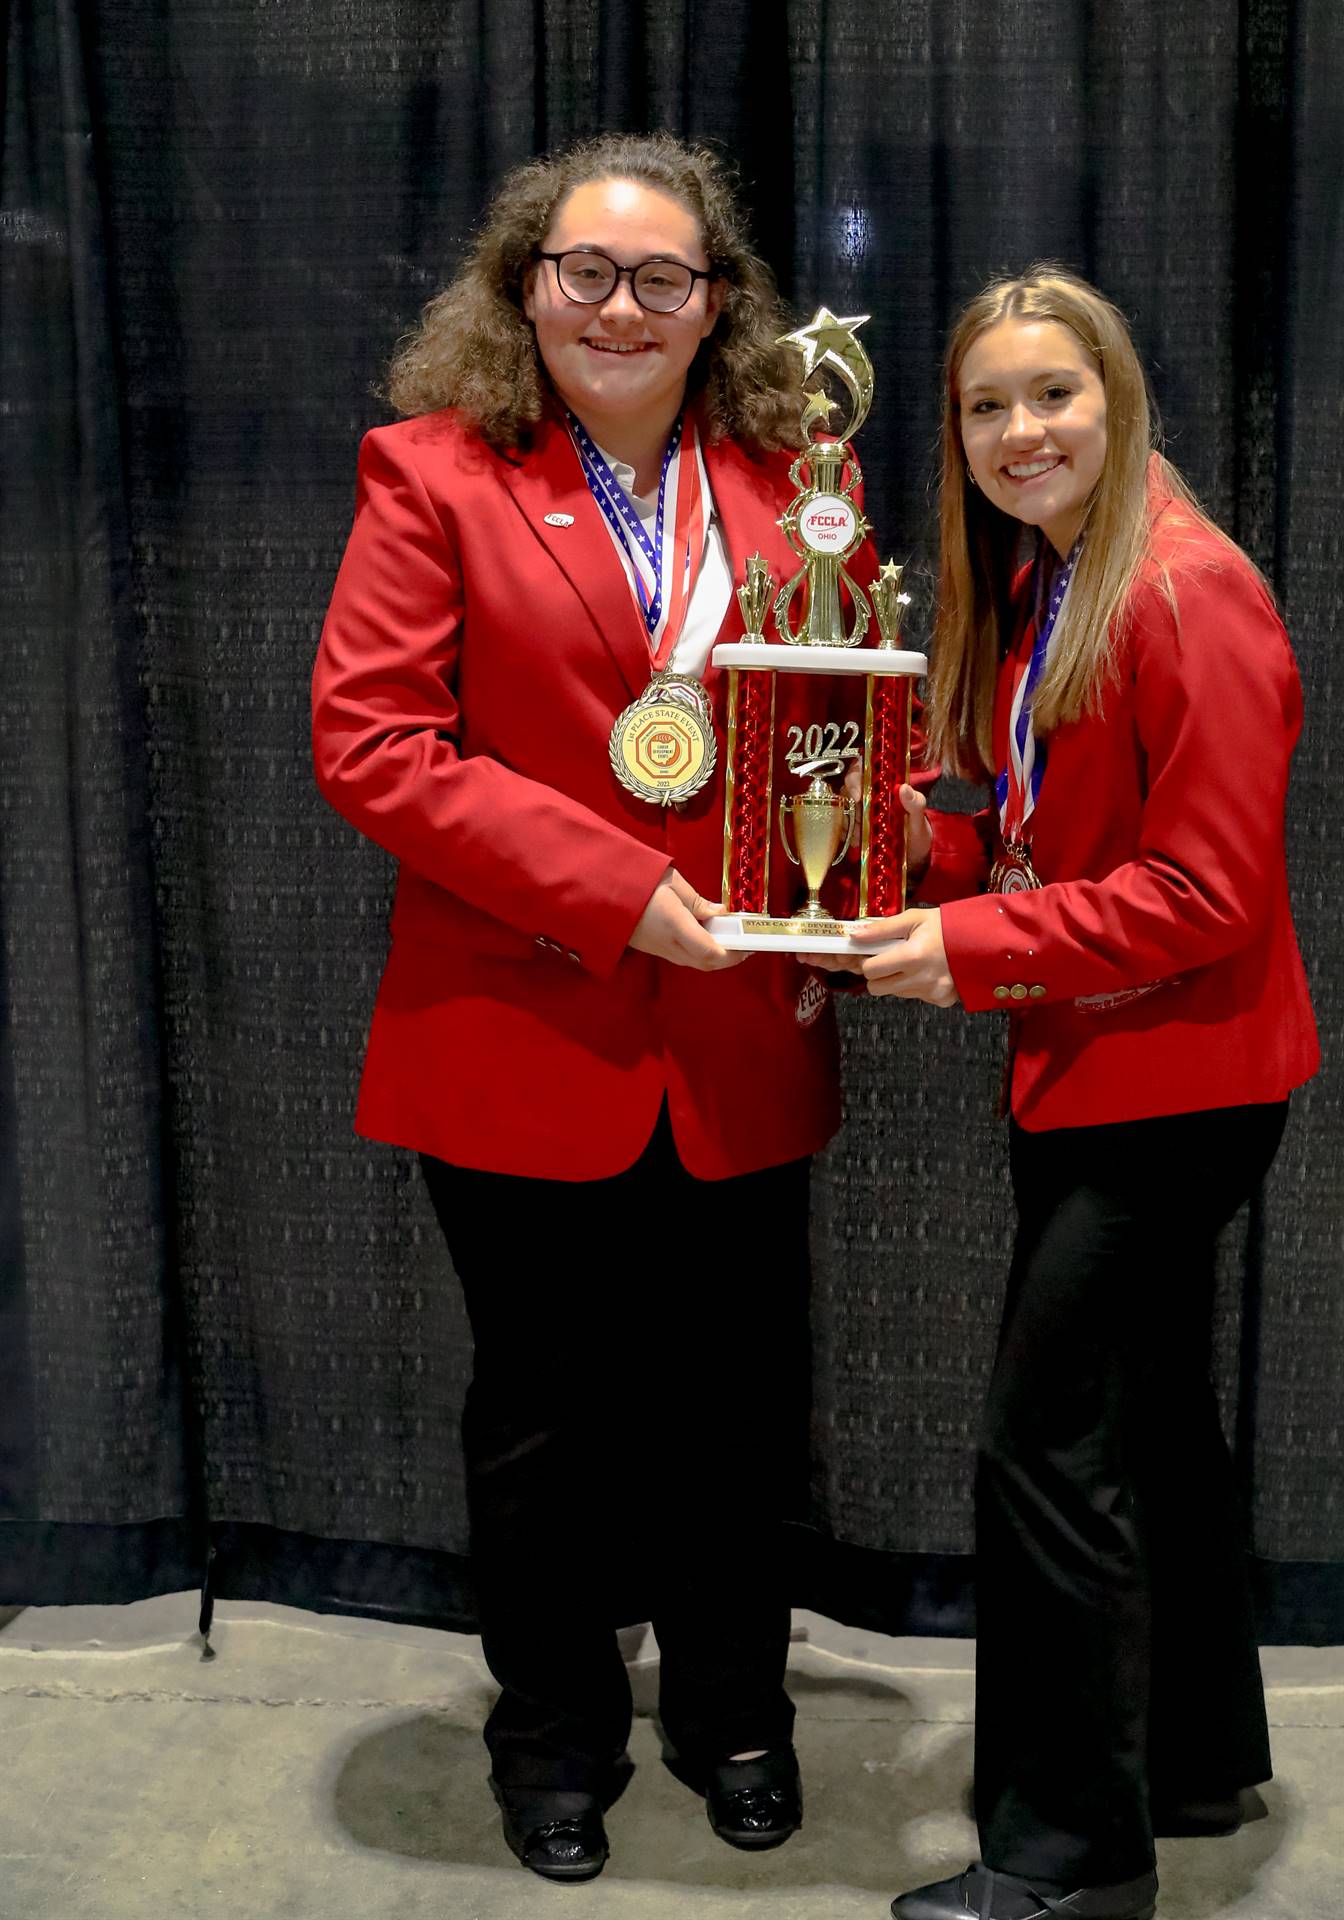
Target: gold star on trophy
820,407
890,604
825,334
829,341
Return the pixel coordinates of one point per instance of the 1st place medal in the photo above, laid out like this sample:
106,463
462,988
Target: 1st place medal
662,746
1013,872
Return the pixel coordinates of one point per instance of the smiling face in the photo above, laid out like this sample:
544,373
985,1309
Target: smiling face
1032,409
621,370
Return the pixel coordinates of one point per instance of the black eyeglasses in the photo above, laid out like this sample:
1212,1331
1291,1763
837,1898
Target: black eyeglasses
660,286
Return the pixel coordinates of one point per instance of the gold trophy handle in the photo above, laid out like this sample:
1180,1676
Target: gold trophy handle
784,811
849,831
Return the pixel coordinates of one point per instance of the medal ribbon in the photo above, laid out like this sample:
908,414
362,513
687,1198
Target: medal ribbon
663,570
1019,784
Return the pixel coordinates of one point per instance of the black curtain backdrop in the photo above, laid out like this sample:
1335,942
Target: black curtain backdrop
226,1326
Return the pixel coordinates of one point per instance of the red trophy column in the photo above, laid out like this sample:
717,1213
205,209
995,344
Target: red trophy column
886,766
746,852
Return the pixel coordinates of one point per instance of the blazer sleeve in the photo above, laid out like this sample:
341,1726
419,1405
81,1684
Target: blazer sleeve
960,858
1217,711
386,740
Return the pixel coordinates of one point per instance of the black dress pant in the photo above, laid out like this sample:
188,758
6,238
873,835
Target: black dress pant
635,1425
1117,1664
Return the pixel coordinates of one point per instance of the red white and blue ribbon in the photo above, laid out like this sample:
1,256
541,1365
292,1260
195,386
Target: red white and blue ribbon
1019,784
663,570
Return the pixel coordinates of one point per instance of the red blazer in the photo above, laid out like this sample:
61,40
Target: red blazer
473,659
1160,967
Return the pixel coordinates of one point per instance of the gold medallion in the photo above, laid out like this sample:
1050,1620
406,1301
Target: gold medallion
662,746
1013,872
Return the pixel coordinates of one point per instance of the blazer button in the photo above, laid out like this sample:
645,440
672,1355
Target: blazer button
1036,993
1018,992
1000,993
575,957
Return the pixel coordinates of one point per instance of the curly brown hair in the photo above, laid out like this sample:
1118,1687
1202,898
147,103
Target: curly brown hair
474,349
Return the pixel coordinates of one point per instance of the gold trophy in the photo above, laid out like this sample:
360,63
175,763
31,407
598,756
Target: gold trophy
825,625
823,826
753,597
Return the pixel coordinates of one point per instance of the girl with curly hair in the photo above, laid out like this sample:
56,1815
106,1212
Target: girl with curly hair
613,1116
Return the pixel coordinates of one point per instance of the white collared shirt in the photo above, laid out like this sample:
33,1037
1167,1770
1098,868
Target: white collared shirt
713,589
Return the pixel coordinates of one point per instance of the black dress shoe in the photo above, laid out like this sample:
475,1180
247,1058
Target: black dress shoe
558,1831
754,1804
982,1894
557,1834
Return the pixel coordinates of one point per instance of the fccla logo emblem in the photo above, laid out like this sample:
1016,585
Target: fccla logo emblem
829,524
664,752
811,1001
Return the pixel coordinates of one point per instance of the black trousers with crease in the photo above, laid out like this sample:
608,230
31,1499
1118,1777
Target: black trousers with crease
634,1428
1117,1662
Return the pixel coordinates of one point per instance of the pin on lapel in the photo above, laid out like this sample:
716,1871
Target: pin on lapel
559,519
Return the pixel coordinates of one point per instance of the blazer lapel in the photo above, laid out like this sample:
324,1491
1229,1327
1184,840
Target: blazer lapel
548,480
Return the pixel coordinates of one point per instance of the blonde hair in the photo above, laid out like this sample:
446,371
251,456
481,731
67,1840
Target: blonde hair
979,543
475,349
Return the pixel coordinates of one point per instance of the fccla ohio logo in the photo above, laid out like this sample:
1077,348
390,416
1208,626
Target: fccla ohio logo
828,524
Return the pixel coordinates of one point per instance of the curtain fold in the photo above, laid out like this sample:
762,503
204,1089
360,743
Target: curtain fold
96,1420
1296,1485
223,1319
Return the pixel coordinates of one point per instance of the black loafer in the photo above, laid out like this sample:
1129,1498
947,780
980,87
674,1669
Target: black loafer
556,1831
982,1894
755,1804
558,1835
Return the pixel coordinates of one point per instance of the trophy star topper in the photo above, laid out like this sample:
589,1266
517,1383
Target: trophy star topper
826,336
829,342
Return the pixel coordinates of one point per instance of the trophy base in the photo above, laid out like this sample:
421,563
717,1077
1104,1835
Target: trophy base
765,656
763,933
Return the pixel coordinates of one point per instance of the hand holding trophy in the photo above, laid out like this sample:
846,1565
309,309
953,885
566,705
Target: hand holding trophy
825,621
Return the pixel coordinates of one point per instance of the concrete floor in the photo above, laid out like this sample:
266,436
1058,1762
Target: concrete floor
332,1767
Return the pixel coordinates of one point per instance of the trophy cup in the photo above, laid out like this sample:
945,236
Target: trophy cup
820,817
831,630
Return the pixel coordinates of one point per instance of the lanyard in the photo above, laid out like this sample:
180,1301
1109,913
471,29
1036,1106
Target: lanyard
662,571
1019,784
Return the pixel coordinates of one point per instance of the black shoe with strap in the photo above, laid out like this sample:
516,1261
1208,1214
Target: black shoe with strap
982,1894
